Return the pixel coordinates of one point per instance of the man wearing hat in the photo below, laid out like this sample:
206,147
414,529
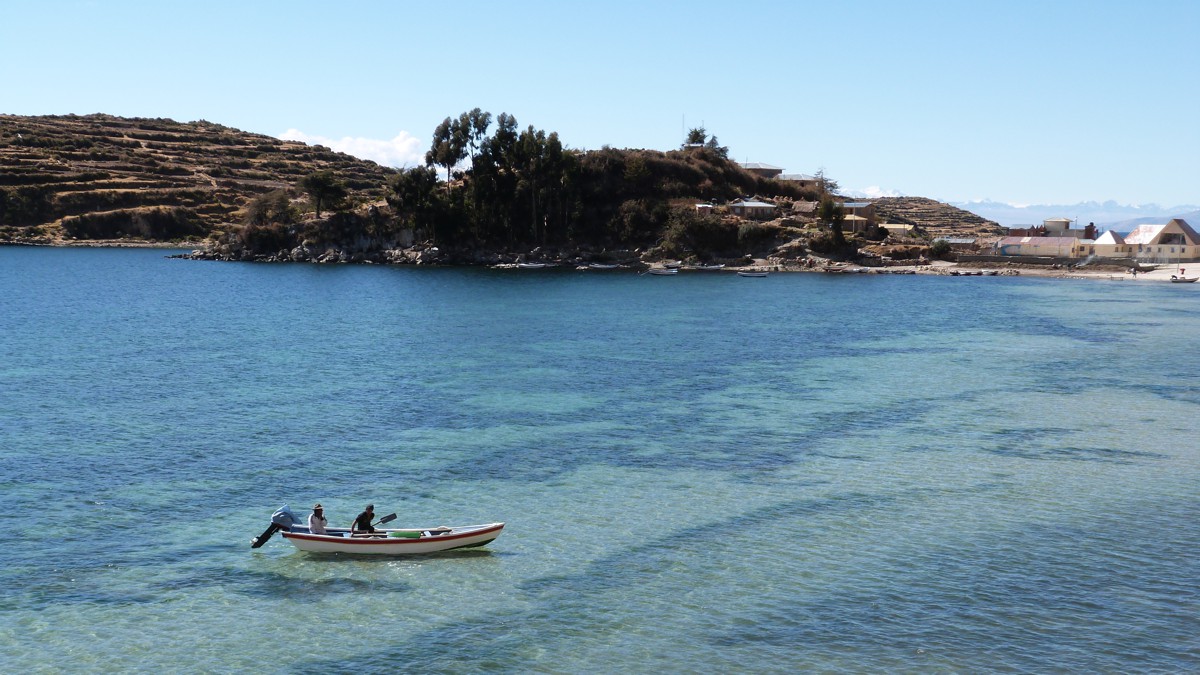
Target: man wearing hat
316,521
363,522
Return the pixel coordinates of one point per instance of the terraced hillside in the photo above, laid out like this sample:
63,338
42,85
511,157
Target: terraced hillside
934,218
99,176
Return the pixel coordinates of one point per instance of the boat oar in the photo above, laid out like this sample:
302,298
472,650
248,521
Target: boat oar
386,519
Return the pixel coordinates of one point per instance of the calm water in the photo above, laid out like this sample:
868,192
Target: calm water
700,473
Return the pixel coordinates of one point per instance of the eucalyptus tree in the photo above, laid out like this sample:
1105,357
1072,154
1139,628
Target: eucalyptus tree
449,146
413,195
473,127
832,213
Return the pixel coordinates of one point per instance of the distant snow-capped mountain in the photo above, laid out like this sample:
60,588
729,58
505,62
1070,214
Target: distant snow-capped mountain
1107,215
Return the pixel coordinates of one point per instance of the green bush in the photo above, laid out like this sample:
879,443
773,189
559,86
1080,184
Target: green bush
751,233
704,235
268,238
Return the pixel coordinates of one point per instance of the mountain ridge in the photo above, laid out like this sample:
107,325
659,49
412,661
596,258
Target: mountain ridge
1107,215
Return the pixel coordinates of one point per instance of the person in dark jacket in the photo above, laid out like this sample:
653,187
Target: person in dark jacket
363,522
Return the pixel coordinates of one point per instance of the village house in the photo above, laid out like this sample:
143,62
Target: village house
1112,245
962,244
1045,247
759,169
1054,227
801,180
1170,242
753,209
899,229
864,210
854,223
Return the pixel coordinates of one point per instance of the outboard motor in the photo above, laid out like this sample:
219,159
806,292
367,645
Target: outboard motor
283,519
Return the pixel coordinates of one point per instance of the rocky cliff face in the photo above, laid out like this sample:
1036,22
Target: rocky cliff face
97,176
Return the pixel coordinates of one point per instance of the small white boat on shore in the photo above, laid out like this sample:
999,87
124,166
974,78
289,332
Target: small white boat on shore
401,541
531,266
1183,280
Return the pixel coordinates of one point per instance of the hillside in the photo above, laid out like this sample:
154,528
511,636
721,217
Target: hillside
80,179
935,218
99,176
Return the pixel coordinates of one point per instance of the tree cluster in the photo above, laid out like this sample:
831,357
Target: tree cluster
507,188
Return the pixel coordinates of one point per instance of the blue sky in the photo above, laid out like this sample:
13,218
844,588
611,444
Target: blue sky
1020,102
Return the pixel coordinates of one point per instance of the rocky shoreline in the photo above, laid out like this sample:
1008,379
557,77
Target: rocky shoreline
630,260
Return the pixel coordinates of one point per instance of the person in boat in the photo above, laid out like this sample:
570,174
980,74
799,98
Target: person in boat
316,520
363,522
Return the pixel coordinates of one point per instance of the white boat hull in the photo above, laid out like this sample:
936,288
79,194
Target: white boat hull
384,543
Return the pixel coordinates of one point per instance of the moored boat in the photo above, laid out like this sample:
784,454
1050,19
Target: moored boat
751,273
662,271
400,541
1183,280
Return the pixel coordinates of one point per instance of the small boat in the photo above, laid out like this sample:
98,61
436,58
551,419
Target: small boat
751,273
531,266
1183,280
406,541
662,271
601,266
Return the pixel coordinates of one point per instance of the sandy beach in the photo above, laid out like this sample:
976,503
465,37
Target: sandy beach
1161,274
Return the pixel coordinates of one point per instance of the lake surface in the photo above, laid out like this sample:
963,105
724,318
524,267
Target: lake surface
700,473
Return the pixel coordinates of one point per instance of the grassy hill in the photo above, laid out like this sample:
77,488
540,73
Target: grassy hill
74,177
78,179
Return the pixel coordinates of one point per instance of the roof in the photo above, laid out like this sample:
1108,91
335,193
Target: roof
752,203
903,227
1144,234
857,218
759,165
1111,237
958,240
1048,241
856,205
795,176
805,207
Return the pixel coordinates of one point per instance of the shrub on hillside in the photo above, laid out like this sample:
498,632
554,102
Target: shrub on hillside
267,237
272,207
704,235
751,233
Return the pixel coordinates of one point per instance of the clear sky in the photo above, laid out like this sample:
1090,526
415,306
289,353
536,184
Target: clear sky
1017,101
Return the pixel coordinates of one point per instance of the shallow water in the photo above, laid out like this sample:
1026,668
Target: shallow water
700,473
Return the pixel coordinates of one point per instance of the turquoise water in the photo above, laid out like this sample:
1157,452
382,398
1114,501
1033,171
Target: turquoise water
699,473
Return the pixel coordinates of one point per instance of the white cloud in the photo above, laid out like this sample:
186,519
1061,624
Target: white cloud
872,192
402,151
